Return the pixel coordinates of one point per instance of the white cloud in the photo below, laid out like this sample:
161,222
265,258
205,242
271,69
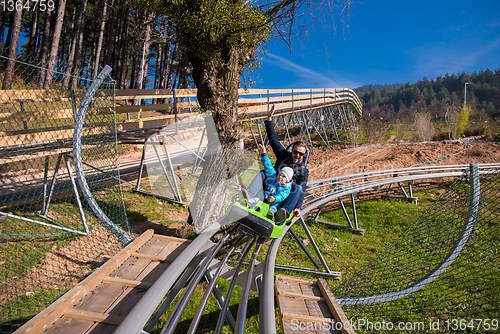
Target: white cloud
308,76
442,58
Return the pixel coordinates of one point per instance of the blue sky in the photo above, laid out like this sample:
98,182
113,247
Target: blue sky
386,42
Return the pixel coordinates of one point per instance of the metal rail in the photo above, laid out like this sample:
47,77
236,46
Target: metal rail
137,318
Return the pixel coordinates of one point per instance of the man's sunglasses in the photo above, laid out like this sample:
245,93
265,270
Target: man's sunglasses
301,154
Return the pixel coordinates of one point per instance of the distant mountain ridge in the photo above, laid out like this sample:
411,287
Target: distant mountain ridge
395,101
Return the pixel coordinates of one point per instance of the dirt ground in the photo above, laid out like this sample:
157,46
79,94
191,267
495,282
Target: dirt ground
325,163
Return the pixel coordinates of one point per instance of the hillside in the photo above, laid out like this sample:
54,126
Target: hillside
437,96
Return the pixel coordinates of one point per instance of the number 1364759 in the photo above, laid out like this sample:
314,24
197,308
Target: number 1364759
27,5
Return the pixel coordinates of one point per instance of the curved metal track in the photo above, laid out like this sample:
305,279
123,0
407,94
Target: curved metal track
321,192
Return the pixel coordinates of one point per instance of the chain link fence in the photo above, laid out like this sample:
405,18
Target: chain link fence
50,236
442,274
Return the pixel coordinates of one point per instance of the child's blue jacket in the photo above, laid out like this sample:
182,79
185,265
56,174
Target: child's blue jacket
281,191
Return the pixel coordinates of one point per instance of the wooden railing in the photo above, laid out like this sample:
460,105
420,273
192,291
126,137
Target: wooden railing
253,103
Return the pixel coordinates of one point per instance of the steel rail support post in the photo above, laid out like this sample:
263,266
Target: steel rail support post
52,185
181,305
304,249
45,180
287,131
253,135
198,152
319,133
212,283
220,322
187,148
160,160
75,191
141,167
314,245
354,215
345,212
171,167
177,287
260,132
242,308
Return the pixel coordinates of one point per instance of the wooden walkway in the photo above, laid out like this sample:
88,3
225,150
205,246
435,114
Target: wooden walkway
100,302
308,306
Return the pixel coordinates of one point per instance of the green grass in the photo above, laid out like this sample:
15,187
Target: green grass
383,220
345,252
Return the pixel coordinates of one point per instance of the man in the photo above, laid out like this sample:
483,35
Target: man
284,158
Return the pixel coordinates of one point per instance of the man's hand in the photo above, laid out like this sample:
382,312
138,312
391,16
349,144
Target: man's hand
271,199
296,212
270,114
262,149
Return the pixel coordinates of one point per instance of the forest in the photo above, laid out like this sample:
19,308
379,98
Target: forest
437,97
79,37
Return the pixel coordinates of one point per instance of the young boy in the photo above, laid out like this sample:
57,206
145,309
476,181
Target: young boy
279,185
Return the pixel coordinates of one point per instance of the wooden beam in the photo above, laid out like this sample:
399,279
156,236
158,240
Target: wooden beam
335,308
127,282
301,296
104,318
151,257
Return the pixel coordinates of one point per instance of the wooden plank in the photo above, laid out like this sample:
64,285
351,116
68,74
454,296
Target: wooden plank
305,318
94,316
127,282
335,308
318,315
317,308
45,318
296,279
169,238
151,257
301,296
289,305
33,95
155,107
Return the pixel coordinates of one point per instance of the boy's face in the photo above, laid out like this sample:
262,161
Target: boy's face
281,179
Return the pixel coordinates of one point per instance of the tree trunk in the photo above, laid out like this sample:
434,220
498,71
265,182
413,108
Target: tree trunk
44,50
2,28
14,42
171,70
55,44
74,43
79,47
122,50
166,58
30,49
159,57
218,85
102,24
143,74
111,31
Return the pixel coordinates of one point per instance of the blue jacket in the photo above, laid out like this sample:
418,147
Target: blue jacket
284,159
281,191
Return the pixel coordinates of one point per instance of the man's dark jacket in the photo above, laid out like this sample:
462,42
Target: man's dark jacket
284,159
